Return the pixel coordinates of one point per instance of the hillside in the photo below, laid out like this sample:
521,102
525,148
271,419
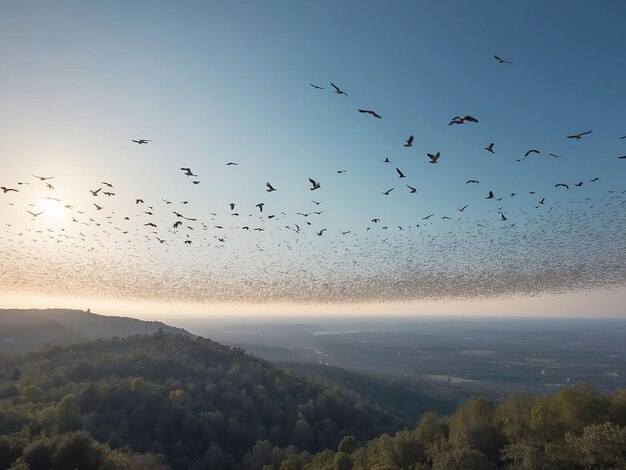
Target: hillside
406,398
194,402
22,330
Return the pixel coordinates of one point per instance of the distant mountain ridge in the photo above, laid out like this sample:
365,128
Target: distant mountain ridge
28,329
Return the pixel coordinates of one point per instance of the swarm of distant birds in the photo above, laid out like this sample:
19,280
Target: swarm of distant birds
330,271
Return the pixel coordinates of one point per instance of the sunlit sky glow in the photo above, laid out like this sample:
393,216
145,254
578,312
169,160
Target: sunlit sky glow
219,82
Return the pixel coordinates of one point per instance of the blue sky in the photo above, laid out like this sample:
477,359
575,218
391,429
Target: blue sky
213,82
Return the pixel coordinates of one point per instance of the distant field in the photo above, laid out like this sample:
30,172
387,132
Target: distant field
492,355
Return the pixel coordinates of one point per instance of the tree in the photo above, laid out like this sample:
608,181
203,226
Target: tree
601,446
348,445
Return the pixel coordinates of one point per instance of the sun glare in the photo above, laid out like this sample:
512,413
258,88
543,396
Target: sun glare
53,210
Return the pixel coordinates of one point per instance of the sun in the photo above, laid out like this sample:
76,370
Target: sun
53,210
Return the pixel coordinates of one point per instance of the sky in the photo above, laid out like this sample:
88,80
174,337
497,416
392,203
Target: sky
217,82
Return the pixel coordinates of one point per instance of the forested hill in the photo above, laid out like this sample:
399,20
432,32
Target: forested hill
195,402
22,330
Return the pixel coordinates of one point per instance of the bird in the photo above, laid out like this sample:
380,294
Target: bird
6,190
141,141
317,203
400,174
345,233
623,157
502,61
490,195
44,178
106,184
413,190
375,220
321,232
433,158
578,136
177,224
461,120
35,215
270,188
386,193
555,155
561,184
531,151
315,185
427,217
472,181
409,142
579,184
188,172
232,163
138,201
543,200
232,205
370,112
502,216
260,206
386,160
594,179
463,208
489,148
108,193
316,86
49,186
341,171
149,224
95,193
99,208
338,90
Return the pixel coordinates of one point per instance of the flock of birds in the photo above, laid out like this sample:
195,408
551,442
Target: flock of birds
161,251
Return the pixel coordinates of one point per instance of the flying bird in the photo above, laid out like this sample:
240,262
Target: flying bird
502,61
472,181
315,185
35,215
187,172
413,190
490,195
232,163
400,174
578,136
531,151
433,158
373,113
561,184
463,208
338,90
555,155
95,193
386,193
409,142
316,86
461,120
489,148
270,188
141,141
6,190
260,206
44,178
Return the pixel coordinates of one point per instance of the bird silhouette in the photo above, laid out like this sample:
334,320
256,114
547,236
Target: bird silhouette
316,86
141,141
489,148
413,190
409,142
386,193
338,90
400,174
370,112
433,158
6,190
502,61
578,136
314,184
270,188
